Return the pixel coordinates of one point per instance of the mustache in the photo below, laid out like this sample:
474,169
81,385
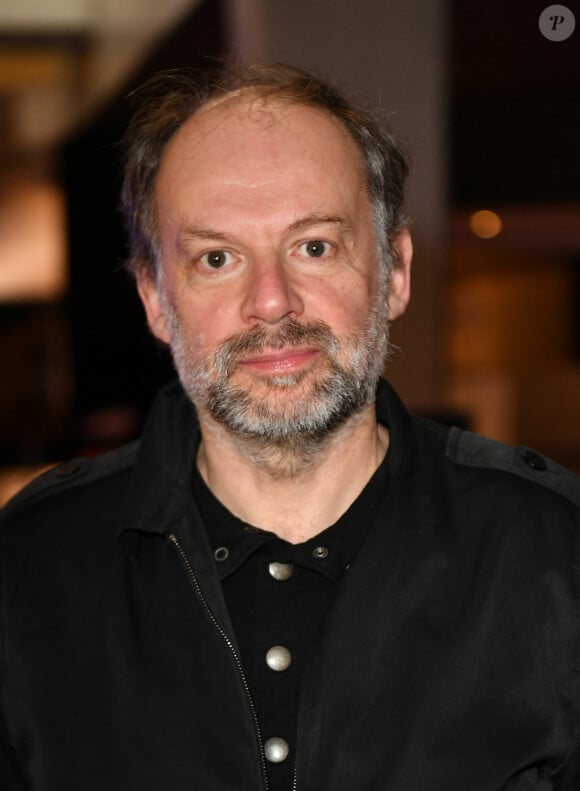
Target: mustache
288,333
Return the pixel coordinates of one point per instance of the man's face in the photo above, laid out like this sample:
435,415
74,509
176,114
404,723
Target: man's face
271,295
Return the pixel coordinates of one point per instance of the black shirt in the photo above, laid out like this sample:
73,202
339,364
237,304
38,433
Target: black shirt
278,595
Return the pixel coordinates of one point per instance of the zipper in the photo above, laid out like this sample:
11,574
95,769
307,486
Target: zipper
200,595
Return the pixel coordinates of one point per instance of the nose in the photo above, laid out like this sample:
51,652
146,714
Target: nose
270,295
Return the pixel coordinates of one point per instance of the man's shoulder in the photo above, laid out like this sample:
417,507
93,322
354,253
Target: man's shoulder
461,459
92,478
470,451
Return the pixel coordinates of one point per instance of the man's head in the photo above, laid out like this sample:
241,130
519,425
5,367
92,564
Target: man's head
265,273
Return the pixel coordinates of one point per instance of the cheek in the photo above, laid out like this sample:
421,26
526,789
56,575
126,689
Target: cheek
208,325
347,310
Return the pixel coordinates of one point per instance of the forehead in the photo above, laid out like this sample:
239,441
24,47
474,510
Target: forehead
251,139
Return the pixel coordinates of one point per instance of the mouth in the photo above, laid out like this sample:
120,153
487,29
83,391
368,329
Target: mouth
280,361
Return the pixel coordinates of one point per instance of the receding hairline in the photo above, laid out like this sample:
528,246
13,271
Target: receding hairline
266,105
263,98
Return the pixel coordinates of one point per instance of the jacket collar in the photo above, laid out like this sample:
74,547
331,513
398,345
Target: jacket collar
161,488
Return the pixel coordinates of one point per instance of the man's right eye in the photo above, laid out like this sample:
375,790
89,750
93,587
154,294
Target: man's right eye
216,259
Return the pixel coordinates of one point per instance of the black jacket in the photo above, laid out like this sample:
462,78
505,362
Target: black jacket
450,659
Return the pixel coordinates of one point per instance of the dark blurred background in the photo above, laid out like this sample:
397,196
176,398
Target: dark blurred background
489,108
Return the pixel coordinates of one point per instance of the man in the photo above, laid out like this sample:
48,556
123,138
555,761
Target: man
288,582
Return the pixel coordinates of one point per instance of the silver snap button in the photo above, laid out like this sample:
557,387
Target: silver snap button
278,658
320,553
221,553
281,571
276,750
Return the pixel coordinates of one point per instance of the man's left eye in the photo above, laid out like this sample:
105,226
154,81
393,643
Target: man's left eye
315,248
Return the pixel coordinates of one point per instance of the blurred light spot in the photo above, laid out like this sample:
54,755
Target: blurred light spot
32,243
485,224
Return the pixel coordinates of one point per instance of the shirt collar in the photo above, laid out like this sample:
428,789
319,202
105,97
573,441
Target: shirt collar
330,552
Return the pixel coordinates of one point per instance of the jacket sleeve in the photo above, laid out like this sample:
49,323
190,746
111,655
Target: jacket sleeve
11,778
571,779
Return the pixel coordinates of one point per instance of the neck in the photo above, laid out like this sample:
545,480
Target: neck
287,489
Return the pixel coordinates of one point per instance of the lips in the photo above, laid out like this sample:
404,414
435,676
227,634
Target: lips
280,361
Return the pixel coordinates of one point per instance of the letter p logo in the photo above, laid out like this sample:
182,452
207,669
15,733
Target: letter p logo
556,23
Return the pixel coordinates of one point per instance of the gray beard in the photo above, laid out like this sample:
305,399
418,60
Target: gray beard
285,434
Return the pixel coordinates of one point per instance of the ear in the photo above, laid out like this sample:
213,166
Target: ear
149,293
400,285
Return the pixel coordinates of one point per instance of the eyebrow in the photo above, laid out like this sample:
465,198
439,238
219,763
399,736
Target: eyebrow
319,219
303,223
207,233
